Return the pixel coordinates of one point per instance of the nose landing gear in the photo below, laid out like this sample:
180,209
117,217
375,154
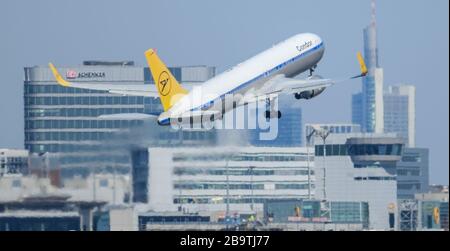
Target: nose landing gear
311,70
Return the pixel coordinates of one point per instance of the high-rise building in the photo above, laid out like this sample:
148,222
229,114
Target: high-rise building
357,110
412,173
359,167
367,106
66,120
400,112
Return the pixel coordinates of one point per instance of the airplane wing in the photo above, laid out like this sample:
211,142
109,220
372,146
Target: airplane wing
132,90
283,85
197,114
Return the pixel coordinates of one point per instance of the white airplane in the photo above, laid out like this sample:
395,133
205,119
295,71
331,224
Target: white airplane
262,77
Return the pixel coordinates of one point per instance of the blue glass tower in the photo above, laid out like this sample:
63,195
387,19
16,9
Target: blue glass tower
367,106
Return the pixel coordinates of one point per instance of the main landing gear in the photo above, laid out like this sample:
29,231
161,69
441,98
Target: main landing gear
271,113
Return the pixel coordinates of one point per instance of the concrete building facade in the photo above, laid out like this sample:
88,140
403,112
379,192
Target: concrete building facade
195,179
360,167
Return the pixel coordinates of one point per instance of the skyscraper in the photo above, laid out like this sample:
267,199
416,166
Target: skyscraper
367,106
400,112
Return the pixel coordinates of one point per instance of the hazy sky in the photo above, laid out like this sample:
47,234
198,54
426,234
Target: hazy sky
413,46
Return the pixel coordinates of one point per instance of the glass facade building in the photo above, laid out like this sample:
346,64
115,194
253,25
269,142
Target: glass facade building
284,211
33,223
367,106
66,120
434,214
348,212
432,210
400,112
413,173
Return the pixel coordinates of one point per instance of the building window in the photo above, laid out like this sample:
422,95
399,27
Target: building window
16,183
411,159
103,183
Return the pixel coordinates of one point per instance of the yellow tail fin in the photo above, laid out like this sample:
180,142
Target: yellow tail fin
170,91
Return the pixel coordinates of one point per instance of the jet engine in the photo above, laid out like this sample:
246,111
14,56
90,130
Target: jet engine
311,93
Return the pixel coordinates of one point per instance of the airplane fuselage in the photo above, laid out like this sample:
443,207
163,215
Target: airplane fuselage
290,58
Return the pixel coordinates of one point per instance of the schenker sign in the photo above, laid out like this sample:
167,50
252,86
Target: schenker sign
71,74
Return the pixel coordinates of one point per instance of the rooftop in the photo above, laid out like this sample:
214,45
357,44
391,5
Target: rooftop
107,63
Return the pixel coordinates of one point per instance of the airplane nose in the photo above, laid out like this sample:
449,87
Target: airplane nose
317,39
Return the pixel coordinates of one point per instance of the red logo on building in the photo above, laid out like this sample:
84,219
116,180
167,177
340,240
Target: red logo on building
71,74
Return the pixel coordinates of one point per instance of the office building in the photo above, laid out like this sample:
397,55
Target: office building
367,106
65,120
360,167
13,161
400,112
195,179
413,173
